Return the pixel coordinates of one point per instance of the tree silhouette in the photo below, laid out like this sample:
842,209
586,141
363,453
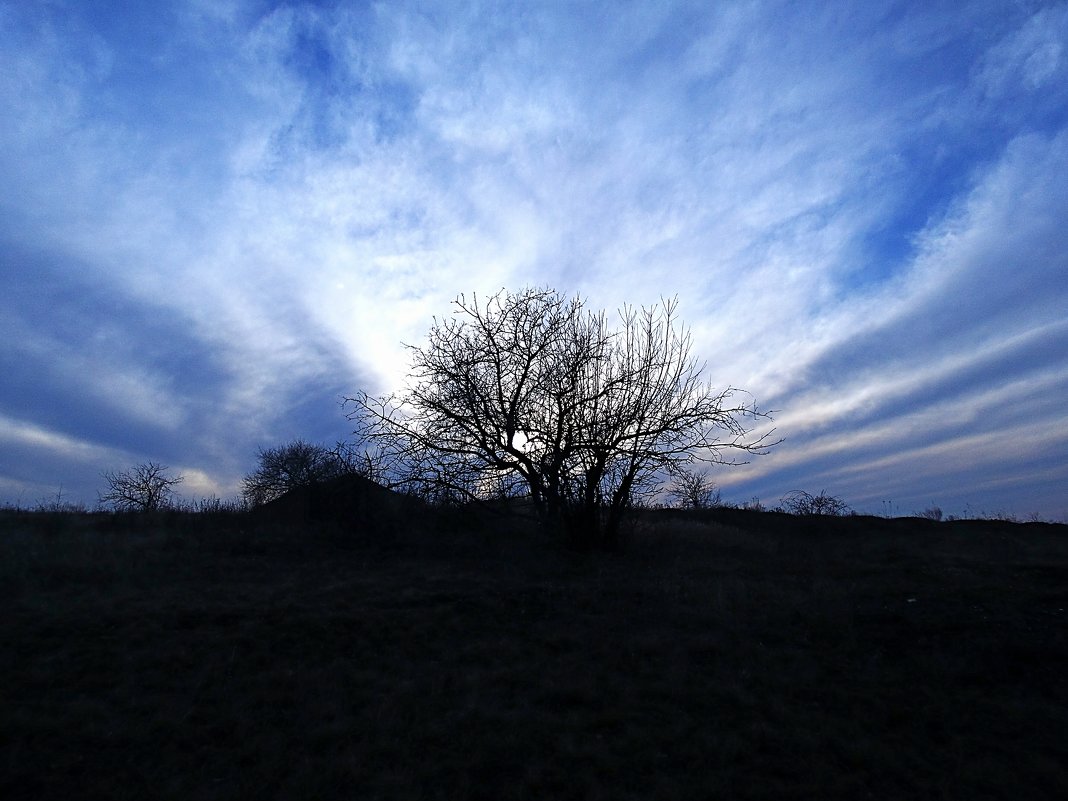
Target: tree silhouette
799,502
534,385
694,490
146,487
295,464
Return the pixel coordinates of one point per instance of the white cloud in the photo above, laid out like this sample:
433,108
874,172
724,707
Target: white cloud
1029,57
25,433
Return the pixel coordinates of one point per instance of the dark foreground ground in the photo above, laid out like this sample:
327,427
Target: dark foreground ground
754,657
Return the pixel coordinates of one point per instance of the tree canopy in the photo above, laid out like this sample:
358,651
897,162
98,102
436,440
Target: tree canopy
531,392
146,487
295,464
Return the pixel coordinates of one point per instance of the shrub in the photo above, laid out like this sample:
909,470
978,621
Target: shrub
931,513
800,502
693,490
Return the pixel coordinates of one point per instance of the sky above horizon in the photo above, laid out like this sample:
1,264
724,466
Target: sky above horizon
221,216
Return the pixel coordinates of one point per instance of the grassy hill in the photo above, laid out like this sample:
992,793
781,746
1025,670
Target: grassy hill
719,655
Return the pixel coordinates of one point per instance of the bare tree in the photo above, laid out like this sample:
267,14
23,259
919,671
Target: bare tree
296,464
146,487
799,502
694,490
369,461
534,385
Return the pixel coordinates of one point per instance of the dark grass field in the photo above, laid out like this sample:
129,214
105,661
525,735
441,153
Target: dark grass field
742,655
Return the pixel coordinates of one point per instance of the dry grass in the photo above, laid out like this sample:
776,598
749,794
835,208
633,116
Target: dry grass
753,657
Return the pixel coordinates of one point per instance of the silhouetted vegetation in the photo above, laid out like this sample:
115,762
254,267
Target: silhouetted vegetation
531,393
723,654
146,487
691,489
799,502
931,513
295,464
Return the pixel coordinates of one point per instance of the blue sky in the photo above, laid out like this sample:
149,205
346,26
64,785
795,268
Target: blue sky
220,216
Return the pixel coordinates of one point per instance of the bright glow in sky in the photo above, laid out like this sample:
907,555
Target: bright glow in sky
219,216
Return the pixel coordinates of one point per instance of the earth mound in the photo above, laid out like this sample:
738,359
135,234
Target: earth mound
350,501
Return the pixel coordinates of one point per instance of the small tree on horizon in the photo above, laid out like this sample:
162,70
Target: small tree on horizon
694,490
145,487
297,463
799,502
532,384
